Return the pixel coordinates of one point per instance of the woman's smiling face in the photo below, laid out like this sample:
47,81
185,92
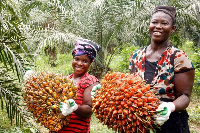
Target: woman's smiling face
80,64
161,27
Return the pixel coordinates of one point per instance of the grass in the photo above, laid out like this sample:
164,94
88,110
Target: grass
6,127
97,127
63,64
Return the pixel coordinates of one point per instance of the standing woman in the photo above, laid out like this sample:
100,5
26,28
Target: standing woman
168,70
80,110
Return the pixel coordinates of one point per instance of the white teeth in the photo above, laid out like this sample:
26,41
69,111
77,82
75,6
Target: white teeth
78,68
157,33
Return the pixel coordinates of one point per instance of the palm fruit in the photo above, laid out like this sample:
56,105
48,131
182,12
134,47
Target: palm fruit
43,93
125,103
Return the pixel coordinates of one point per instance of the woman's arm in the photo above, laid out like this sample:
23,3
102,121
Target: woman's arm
183,89
85,110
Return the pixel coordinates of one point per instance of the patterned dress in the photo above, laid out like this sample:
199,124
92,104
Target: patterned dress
172,61
78,124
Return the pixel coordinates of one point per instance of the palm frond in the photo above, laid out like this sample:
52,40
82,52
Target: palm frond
16,111
9,57
11,101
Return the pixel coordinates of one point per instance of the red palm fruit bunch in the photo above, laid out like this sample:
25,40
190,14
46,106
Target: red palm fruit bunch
125,103
43,93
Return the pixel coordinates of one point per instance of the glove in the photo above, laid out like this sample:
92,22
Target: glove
163,112
68,107
28,73
94,89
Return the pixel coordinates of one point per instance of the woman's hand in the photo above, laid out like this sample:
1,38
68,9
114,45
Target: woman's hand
68,107
28,74
94,89
163,112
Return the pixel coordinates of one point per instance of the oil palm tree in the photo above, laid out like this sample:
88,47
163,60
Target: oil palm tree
20,34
